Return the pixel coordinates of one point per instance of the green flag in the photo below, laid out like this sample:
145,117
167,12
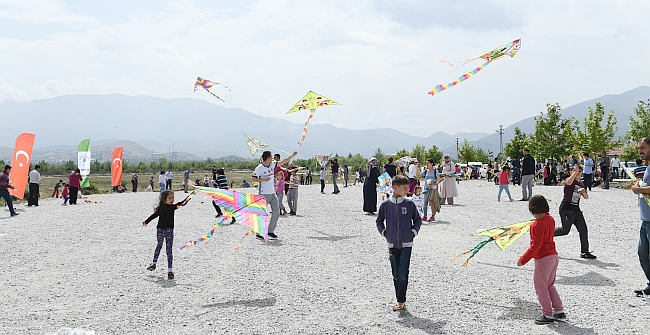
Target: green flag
83,161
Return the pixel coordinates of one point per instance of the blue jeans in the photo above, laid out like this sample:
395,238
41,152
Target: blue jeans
400,259
162,187
506,188
644,249
5,194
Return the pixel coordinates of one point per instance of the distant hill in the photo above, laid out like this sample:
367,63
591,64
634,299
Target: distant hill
150,128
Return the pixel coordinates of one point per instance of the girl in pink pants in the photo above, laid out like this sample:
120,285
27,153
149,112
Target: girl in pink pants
542,249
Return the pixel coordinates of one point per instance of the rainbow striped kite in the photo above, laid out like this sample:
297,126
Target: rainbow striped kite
509,49
206,85
247,209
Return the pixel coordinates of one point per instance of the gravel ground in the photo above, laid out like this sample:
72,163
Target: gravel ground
83,268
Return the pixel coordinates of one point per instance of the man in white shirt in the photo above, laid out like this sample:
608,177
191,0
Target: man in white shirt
169,176
265,176
616,163
34,181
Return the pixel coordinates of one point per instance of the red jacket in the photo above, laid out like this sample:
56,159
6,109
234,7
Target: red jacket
541,239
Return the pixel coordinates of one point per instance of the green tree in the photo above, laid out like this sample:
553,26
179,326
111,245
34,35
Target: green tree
630,153
515,147
401,153
419,151
434,153
639,123
594,138
467,152
554,136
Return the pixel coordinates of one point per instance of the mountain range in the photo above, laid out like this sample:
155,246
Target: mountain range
150,128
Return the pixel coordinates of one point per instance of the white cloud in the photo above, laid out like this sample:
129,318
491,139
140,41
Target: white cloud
378,61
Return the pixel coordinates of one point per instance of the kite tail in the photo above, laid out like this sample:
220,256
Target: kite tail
209,235
242,239
187,199
216,96
462,78
304,128
473,251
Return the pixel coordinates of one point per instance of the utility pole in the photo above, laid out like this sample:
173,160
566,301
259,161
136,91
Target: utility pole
500,131
457,152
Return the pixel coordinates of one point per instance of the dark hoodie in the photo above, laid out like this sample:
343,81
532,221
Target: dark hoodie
402,222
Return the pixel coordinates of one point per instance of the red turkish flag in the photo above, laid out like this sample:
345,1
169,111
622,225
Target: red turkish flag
20,164
116,167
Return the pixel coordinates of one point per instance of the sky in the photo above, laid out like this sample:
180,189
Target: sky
378,58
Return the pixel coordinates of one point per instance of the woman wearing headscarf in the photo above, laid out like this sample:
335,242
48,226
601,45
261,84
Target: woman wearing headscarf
370,186
449,190
431,185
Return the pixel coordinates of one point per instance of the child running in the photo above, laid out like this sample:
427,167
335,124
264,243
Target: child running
292,193
503,182
165,229
418,200
279,191
402,225
542,249
64,194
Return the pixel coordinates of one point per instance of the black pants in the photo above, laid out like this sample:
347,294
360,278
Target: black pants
569,218
322,185
135,185
605,173
33,194
589,180
217,208
73,195
168,184
615,171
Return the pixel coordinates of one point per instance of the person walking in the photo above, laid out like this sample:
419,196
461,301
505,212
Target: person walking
431,198
169,175
134,181
527,175
570,213
370,186
604,169
503,183
615,163
588,173
186,177
162,181
265,176
449,190
34,186
335,175
75,186
346,175
5,185
642,189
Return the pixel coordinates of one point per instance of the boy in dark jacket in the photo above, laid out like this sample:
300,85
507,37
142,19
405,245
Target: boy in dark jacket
402,225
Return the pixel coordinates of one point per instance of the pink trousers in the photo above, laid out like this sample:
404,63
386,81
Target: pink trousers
544,279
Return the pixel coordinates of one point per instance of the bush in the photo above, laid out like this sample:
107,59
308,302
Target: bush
92,189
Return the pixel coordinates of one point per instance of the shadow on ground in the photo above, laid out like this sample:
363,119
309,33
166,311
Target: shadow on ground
588,279
593,262
265,302
566,328
428,326
330,237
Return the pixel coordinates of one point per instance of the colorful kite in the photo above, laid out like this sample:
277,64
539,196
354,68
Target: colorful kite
206,85
293,169
509,49
641,183
247,209
503,236
310,102
323,160
405,161
257,146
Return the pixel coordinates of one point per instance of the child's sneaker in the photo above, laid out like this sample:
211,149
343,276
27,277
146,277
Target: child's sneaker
499,200
424,218
587,255
543,320
511,199
170,275
151,267
399,306
431,219
560,316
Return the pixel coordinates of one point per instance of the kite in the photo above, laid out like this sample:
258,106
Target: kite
257,146
641,183
404,161
292,169
503,236
93,201
247,209
310,102
206,85
385,185
323,160
509,49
